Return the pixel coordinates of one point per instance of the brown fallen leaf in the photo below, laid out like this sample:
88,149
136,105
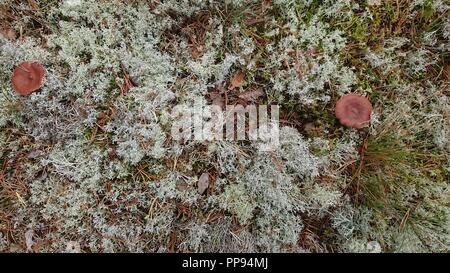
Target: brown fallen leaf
196,51
34,154
9,33
203,183
237,80
447,73
265,5
252,95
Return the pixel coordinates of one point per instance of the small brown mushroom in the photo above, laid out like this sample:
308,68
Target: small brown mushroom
28,77
353,110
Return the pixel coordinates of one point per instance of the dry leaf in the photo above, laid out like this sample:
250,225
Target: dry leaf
203,183
9,33
237,80
265,5
196,51
252,95
447,73
34,154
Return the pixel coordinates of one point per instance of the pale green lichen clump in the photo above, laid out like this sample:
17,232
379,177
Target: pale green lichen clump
88,164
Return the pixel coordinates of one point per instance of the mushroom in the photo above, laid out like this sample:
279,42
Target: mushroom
28,77
353,110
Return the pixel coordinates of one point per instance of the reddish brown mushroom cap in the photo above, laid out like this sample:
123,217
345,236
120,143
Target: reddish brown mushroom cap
28,77
353,110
